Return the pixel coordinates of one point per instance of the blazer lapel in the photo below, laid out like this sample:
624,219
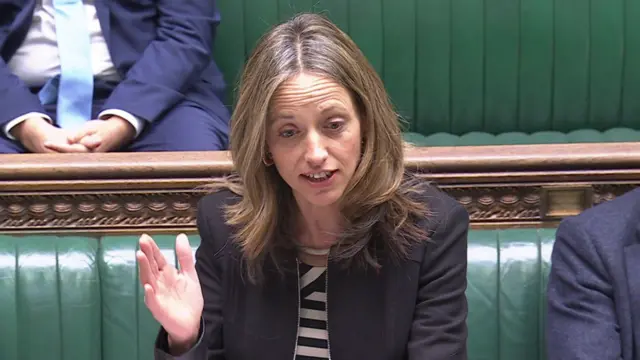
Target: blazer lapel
12,34
102,10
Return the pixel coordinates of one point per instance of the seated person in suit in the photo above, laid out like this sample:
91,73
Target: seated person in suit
322,245
110,75
594,284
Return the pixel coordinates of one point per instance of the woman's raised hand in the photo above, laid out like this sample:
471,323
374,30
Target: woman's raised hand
173,297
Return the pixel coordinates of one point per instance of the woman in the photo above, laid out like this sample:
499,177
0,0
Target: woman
322,246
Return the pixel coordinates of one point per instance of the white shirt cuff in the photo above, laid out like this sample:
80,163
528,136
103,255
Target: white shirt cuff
11,124
135,121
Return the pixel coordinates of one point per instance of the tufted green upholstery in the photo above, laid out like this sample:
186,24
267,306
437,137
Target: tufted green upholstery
49,298
78,297
473,72
507,277
521,138
129,329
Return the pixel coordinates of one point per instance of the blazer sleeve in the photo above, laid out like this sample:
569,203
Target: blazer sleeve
581,320
210,258
439,329
172,62
15,97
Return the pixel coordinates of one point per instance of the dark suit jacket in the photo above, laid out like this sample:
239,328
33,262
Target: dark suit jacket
594,285
161,48
415,309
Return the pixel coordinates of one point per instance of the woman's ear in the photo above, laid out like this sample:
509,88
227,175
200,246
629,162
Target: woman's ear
268,159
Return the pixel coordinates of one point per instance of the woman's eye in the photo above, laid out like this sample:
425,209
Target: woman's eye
335,125
287,133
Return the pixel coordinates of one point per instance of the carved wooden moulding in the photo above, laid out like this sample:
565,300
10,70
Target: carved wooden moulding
99,210
507,185
499,204
102,211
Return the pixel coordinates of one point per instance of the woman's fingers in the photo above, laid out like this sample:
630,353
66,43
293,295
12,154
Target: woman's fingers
185,256
150,299
148,246
147,275
157,254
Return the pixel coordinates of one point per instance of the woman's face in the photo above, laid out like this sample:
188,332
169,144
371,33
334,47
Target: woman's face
314,138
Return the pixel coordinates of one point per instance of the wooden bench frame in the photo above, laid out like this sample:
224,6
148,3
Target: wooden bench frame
501,186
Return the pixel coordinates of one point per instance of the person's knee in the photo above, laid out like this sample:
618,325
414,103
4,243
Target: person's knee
186,128
209,140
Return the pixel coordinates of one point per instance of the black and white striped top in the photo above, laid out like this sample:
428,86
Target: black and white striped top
313,338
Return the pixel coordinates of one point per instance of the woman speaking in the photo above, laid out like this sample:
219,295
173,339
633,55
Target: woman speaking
321,245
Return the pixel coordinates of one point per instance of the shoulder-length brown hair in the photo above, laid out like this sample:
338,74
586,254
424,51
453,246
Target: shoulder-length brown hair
380,198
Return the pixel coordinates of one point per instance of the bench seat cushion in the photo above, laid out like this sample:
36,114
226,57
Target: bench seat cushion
519,138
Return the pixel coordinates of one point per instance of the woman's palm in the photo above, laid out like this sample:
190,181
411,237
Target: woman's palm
179,300
173,297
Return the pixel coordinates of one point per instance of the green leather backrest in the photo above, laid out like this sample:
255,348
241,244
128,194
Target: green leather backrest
507,281
492,66
129,329
49,298
65,298
506,285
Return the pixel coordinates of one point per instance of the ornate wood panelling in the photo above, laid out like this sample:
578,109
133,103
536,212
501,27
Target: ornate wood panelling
499,186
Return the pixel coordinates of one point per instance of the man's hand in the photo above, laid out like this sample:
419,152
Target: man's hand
38,136
104,135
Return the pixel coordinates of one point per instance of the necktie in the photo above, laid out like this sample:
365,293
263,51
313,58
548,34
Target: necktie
74,85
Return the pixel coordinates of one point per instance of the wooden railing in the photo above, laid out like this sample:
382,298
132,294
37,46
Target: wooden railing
501,186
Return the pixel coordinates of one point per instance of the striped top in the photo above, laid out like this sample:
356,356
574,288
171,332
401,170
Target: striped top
313,337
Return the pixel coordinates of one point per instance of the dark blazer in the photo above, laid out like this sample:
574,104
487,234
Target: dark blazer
414,309
594,284
161,48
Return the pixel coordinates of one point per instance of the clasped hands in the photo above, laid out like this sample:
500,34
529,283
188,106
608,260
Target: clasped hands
39,136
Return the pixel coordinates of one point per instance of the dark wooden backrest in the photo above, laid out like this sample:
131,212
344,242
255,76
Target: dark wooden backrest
501,186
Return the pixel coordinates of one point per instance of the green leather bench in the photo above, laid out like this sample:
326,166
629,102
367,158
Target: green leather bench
473,72
78,297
